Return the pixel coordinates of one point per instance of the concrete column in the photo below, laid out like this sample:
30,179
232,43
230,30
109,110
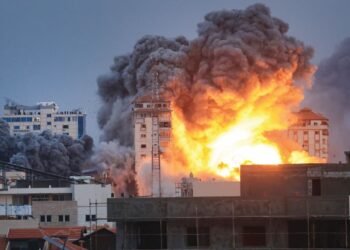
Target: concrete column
120,235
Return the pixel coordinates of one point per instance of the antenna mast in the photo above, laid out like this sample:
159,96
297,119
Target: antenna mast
156,170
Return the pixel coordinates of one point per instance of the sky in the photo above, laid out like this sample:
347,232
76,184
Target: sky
55,50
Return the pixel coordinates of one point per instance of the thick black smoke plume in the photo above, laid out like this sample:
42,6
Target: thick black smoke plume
233,47
331,96
58,154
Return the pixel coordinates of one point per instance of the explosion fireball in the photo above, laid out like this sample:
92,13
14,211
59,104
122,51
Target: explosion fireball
232,89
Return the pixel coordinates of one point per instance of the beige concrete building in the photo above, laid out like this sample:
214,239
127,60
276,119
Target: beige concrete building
311,132
152,131
56,213
23,119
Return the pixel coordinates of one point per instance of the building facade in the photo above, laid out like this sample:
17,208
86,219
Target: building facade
152,135
54,204
304,206
44,116
311,132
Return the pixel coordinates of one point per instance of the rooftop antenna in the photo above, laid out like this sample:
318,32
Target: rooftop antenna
156,168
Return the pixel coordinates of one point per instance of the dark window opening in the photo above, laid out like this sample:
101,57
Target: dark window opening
143,145
297,234
254,236
42,218
316,187
66,217
150,235
65,126
48,218
203,237
164,124
60,218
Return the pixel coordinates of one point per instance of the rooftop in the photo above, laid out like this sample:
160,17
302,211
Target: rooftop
308,114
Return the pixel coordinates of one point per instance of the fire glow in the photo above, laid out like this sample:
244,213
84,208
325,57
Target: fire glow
252,131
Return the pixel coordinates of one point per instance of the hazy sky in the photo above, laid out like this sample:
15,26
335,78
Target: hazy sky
55,50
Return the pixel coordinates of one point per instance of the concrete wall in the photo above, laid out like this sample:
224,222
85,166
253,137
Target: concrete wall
56,208
8,224
85,193
216,188
224,207
287,180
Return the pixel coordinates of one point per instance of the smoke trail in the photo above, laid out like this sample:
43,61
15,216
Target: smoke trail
330,96
58,154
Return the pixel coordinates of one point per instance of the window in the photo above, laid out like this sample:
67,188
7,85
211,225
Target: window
143,135
48,115
203,237
36,127
66,217
68,118
60,218
316,187
48,218
42,218
93,217
59,119
65,126
143,156
164,124
48,123
254,236
143,145
138,105
40,197
16,127
143,126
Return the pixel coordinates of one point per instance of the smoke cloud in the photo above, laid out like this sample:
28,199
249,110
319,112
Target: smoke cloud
119,161
58,154
237,52
330,96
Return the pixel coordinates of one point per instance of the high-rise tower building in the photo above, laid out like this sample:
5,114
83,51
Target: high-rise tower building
152,133
311,132
44,116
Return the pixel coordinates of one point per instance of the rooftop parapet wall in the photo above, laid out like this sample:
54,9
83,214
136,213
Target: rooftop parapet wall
294,180
224,207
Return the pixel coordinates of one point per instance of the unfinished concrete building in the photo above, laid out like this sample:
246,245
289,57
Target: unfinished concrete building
286,206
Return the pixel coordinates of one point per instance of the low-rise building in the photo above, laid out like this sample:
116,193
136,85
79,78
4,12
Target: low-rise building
280,207
55,203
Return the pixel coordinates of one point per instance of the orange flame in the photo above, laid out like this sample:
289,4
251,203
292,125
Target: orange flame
231,128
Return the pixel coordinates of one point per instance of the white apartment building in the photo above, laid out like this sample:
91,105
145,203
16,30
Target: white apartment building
44,116
145,131
311,132
52,205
